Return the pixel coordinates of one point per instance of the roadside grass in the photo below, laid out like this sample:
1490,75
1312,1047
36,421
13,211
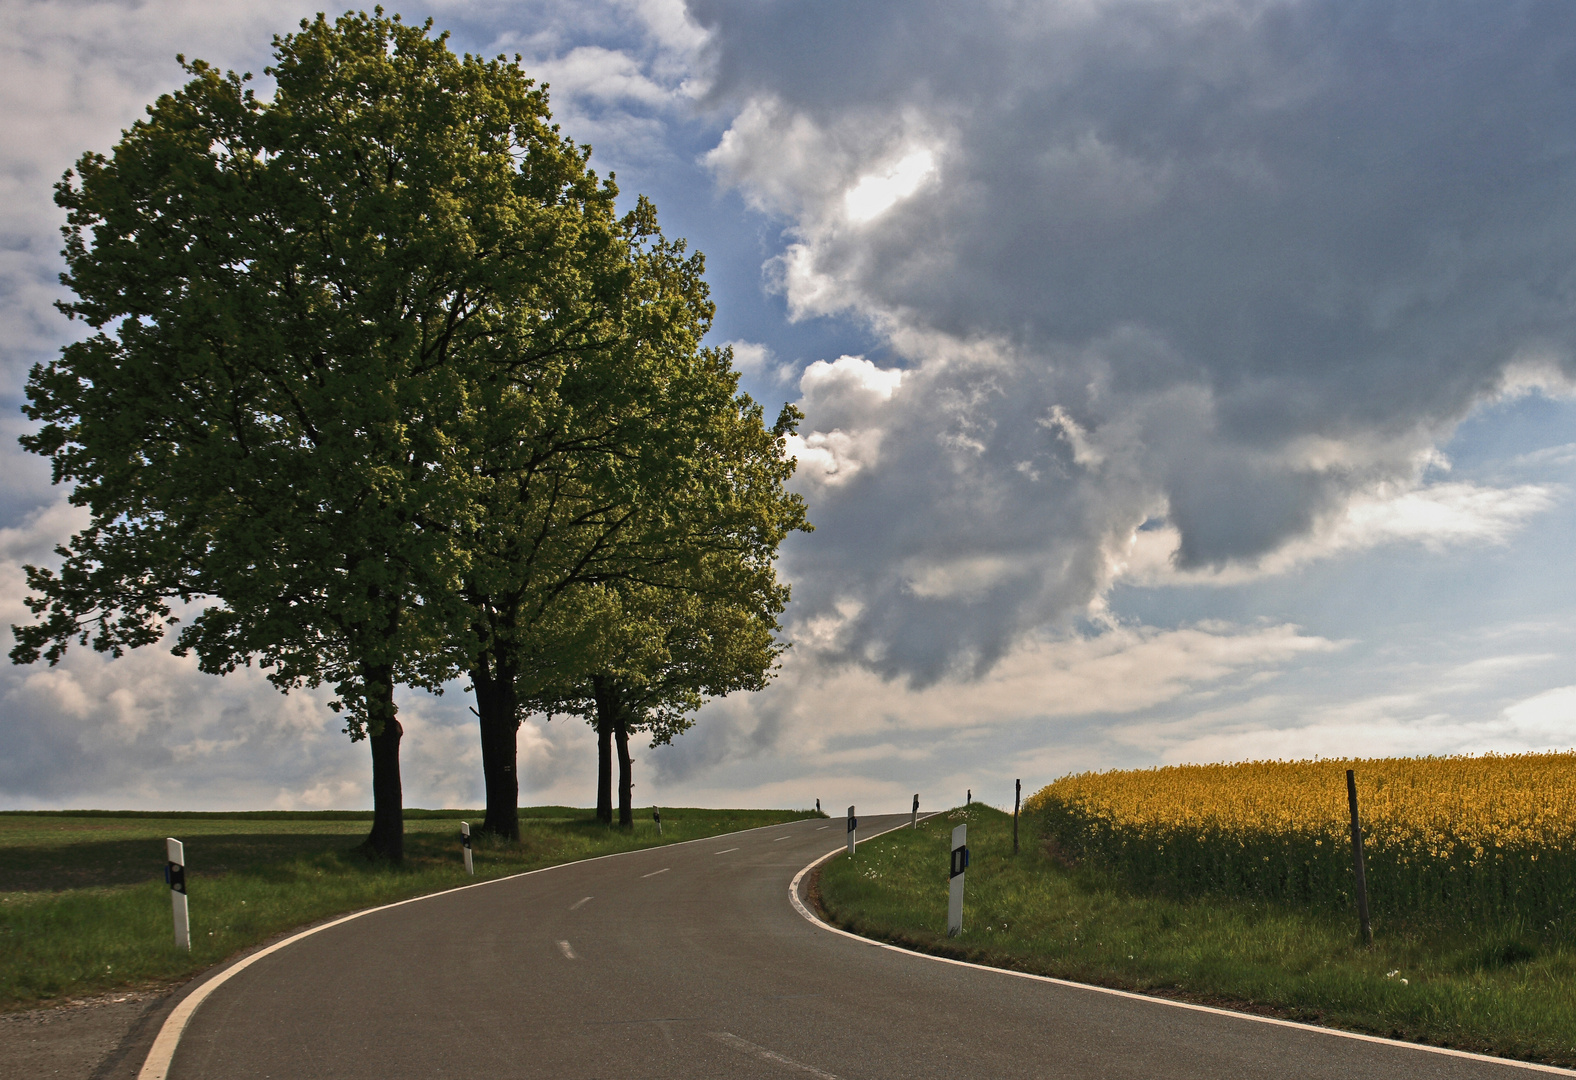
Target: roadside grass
84,908
1500,991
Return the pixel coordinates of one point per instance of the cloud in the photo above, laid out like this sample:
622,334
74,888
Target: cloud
1233,269
878,192
847,720
601,74
1432,516
1417,720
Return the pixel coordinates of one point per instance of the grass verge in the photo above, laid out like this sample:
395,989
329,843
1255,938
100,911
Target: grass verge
1498,992
84,908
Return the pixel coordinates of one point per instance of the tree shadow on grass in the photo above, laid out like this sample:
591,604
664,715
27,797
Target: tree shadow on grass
101,863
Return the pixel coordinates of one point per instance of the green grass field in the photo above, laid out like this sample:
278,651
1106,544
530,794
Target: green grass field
84,908
1501,993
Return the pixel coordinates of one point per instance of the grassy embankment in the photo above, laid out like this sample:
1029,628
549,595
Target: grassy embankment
84,907
1429,982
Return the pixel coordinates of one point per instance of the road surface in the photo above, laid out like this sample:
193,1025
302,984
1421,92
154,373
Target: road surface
690,962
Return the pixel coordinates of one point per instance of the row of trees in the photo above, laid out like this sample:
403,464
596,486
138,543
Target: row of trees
384,390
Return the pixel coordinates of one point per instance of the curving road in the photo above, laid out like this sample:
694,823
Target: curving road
690,961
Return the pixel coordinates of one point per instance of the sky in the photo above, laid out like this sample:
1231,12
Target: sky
1184,380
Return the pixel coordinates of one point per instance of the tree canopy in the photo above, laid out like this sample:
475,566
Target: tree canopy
295,303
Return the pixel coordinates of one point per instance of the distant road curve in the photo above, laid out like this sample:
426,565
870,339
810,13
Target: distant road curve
692,961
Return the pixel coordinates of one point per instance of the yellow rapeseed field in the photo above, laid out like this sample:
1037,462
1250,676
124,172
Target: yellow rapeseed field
1491,835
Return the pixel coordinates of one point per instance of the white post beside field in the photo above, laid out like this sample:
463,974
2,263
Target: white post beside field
913,822
465,839
960,863
853,831
175,874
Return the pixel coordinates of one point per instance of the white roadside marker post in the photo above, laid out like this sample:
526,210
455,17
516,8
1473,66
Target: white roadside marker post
175,874
465,841
913,822
960,863
656,815
853,830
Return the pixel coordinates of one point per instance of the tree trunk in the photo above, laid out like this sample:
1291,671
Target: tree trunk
387,839
606,714
498,713
626,781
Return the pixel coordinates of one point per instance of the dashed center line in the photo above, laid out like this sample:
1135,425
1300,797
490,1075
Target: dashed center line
823,827
760,1053
725,851
580,901
654,873
780,839
569,953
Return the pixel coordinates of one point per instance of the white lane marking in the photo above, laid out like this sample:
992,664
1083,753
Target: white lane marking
762,1054
156,1066
823,827
780,839
725,851
580,901
569,953
793,895
654,873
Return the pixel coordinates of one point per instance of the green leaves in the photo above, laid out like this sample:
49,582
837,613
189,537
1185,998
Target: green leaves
300,302
381,383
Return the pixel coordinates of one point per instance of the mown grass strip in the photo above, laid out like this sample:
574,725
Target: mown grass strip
84,908
1472,989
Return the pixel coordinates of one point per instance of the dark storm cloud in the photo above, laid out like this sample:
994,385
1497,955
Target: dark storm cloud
1256,258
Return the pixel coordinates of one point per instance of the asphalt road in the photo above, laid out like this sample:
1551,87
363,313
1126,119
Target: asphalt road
690,961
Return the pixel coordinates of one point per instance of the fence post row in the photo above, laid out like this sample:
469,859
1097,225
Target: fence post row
175,874
1357,862
960,863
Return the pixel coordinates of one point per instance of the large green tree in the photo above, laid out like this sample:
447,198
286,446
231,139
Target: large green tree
665,652
300,308
688,603
651,463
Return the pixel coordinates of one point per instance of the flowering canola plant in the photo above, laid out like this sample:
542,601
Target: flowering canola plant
1490,837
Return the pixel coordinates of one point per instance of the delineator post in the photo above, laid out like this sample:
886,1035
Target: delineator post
175,874
960,863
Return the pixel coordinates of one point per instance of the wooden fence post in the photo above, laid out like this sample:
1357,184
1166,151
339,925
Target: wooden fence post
1017,797
1357,862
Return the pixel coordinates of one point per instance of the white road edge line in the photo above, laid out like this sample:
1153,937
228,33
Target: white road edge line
569,953
763,1054
580,901
725,851
654,873
157,1064
799,906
